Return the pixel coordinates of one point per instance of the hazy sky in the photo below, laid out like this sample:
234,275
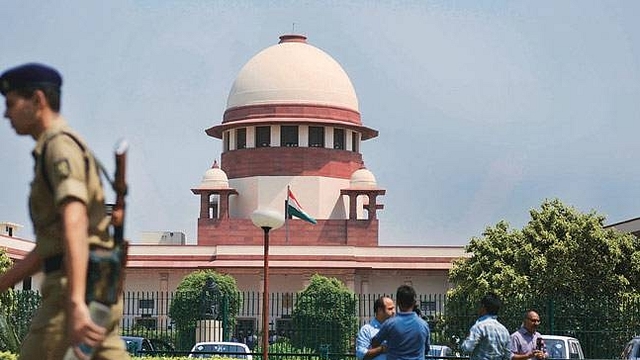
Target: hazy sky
485,108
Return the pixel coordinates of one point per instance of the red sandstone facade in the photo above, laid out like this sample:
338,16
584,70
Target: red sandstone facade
296,161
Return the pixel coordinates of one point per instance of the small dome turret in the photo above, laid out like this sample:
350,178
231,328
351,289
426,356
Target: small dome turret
214,178
363,179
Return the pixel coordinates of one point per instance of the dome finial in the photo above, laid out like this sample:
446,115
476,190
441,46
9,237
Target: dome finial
215,164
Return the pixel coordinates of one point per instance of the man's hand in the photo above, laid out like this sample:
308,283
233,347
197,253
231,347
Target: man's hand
375,351
82,330
539,354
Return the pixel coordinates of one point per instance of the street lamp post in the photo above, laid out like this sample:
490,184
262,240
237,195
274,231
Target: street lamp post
267,220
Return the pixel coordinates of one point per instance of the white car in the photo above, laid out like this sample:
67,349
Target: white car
562,347
210,349
440,351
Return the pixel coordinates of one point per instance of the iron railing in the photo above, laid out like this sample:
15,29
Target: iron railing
147,314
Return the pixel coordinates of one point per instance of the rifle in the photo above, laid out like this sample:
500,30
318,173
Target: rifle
105,275
120,187
117,218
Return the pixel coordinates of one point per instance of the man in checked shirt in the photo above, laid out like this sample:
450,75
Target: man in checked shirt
488,339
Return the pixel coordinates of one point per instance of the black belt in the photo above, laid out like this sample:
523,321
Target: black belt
53,263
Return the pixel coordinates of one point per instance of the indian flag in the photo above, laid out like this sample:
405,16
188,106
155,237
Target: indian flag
294,208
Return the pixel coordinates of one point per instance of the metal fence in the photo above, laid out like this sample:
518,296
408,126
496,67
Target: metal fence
148,314
602,336
150,310
602,328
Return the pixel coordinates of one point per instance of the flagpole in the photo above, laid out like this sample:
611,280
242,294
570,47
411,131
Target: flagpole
286,218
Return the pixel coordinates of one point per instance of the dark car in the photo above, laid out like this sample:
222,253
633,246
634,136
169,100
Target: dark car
631,351
140,346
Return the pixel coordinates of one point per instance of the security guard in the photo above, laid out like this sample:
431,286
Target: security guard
67,210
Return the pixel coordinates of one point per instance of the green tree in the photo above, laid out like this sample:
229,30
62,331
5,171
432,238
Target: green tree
5,261
204,294
563,263
8,335
324,317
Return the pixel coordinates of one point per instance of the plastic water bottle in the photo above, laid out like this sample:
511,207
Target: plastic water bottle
101,315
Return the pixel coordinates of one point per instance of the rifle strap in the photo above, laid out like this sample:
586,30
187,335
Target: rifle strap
87,153
99,164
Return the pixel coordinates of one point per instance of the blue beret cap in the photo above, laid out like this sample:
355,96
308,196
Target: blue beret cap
30,75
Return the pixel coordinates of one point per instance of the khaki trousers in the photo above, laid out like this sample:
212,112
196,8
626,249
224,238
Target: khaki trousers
47,337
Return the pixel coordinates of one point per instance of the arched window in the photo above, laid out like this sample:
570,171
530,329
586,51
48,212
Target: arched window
225,141
289,136
263,136
241,138
316,136
338,139
354,141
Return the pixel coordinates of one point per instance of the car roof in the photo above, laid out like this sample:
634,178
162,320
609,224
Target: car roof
558,337
133,338
220,343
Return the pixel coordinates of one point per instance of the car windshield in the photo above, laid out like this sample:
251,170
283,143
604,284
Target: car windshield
434,350
555,348
219,348
132,346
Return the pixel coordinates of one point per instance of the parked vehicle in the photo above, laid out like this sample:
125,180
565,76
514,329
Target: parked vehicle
229,349
162,347
137,345
440,351
563,347
631,351
140,346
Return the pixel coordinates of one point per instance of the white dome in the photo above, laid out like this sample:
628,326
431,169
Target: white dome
293,72
214,178
363,179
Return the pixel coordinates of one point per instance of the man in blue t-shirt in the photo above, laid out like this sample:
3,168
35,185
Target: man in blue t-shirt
406,334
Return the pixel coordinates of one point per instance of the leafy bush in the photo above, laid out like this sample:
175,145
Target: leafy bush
283,346
324,318
5,355
204,294
16,310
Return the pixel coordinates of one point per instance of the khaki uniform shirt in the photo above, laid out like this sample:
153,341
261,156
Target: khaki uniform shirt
66,171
